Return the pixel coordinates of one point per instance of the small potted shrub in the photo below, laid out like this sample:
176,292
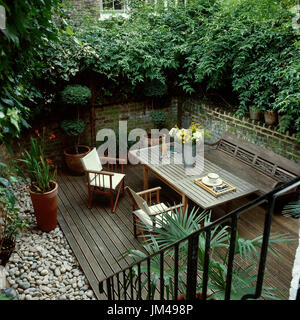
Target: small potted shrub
255,113
75,96
10,221
159,119
40,173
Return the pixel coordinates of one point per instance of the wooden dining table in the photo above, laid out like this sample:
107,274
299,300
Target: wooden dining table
175,176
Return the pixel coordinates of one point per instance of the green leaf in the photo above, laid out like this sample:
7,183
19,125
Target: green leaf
69,31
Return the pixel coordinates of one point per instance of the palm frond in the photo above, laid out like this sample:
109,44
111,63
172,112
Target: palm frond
292,209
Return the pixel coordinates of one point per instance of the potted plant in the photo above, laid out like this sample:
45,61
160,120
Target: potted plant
177,226
43,189
75,96
255,113
10,221
270,116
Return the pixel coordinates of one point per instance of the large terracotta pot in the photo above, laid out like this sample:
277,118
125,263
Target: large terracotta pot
73,160
45,208
270,117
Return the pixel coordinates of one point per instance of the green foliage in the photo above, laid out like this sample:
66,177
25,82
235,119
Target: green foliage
73,127
38,168
159,118
4,297
11,223
29,29
177,226
246,46
154,88
76,95
292,209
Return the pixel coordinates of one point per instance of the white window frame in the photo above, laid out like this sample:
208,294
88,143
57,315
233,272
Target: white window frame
124,10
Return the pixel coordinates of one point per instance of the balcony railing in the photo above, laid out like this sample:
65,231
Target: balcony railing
120,286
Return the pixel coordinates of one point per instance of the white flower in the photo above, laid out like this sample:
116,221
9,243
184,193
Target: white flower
173,132
198,136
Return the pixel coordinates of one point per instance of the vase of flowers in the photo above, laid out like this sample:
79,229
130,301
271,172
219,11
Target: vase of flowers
188,139
43,189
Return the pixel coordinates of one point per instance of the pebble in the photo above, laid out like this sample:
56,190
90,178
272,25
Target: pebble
43,272
43,266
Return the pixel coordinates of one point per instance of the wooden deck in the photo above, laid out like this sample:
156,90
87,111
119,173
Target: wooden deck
98,238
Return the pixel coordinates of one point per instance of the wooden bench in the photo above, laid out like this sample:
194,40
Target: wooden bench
260,167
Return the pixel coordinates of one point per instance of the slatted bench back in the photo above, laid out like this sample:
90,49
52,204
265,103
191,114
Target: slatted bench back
263,160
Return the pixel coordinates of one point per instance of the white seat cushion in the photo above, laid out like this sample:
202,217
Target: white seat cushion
116,179
146,219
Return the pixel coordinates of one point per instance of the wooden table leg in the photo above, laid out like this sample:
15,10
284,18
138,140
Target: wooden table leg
184,201
145,177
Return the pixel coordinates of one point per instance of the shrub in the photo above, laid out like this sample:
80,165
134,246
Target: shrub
76,95
159,118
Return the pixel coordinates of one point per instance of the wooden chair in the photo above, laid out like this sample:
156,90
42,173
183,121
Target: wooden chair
145,214
103,182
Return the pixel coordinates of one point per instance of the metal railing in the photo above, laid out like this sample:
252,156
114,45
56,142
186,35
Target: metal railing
121,286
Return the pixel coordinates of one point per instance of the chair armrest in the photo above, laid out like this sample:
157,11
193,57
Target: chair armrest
115,160
148,191
167,210
100,172
147,194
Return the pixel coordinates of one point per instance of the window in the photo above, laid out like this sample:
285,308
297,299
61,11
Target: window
113,6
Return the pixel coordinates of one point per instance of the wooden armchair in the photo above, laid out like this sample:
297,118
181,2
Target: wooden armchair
103,182
146,213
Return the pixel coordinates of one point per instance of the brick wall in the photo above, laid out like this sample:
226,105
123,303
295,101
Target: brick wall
92,6
137,115
218,121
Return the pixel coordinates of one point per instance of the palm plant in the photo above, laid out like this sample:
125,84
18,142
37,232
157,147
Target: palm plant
177,226
292,209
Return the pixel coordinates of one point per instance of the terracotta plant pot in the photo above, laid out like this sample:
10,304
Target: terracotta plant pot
45,208
254,114
270,117
73,160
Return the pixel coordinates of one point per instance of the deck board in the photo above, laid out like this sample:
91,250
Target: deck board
98,237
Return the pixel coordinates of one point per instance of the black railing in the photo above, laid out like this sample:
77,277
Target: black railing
122,285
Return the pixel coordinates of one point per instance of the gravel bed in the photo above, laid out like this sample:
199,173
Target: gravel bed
43,266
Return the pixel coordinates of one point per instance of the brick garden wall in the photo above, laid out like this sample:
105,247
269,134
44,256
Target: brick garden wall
92,6
218,121
137,115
